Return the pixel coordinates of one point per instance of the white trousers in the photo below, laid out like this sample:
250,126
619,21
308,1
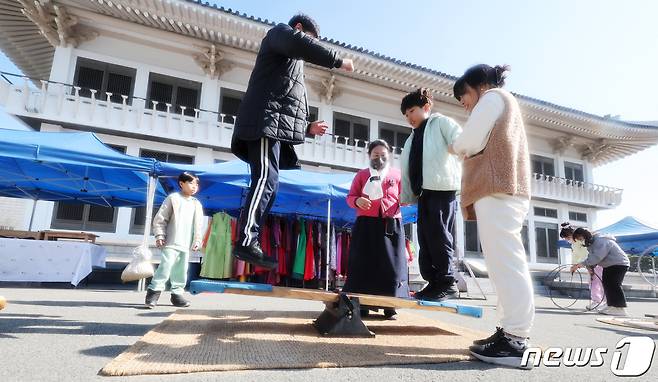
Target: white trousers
500,220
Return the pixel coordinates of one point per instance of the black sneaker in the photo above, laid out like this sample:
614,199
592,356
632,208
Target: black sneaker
179,301
390,314
253,254
499,333
439,294
500,352
151,300
429,290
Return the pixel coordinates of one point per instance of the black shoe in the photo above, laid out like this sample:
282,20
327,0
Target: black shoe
390,314
499,333
451,292
500,352
151,300
364,312
179,301
253,254
429,290
439,294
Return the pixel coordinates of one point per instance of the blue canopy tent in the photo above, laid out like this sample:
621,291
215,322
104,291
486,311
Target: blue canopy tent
633,236
303,193
72,167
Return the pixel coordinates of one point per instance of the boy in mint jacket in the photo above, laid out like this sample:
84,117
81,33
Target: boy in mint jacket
431,177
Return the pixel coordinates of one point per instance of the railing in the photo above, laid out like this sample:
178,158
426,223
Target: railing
575,192
63,103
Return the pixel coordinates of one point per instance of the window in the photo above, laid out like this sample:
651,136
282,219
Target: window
230,104
84,217
546,238
139,214
352,127
543,165
578,216
471,240
546,212
104,77
167,157
175,91
395,135
574,172
119,148
313,113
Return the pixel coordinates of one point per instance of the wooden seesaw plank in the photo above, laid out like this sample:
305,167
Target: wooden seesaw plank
266,290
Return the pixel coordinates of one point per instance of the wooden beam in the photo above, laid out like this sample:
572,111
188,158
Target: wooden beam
265,290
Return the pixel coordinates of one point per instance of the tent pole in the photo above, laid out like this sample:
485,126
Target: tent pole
150,199
328,257
34,207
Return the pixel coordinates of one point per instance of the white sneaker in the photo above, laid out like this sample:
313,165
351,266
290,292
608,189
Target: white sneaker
595,306
614,311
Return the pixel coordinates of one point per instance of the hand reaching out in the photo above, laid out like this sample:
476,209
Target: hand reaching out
348,65
318,128
363,203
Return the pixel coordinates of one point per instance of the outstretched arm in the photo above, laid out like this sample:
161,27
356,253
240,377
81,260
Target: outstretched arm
299,45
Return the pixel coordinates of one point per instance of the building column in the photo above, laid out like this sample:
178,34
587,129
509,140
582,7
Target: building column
559,163
532,239
564,254
204,155
326,113
62,64
209,98
374,129
125,214
141,87
588,172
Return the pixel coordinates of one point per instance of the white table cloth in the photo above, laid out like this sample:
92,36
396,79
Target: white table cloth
48,261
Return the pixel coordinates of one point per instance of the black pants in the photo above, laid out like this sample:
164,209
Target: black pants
436,224
613,277
264,163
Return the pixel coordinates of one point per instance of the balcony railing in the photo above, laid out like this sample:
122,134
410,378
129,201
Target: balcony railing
574,192
64,104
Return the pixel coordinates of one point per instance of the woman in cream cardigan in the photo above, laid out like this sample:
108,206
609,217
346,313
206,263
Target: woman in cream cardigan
496,193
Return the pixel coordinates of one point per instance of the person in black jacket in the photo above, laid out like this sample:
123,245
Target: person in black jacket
272,118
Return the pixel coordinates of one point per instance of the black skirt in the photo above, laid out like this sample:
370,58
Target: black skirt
377,262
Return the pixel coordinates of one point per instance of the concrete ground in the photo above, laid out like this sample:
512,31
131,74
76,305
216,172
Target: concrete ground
65,334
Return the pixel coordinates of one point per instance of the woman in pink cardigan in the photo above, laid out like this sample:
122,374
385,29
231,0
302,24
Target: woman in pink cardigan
377,263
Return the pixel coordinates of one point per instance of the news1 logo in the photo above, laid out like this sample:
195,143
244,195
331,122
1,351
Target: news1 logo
639,355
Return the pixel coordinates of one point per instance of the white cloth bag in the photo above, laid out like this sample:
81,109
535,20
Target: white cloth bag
140,267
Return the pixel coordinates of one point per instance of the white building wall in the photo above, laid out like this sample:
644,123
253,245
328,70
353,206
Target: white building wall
357,98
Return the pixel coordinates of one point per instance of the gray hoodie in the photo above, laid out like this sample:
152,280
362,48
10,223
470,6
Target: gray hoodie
605,252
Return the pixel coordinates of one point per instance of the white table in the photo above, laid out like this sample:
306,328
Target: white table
48,261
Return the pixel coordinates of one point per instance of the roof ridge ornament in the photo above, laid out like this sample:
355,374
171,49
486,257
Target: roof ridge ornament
327,89
561,144
56,24
593,151
213,61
